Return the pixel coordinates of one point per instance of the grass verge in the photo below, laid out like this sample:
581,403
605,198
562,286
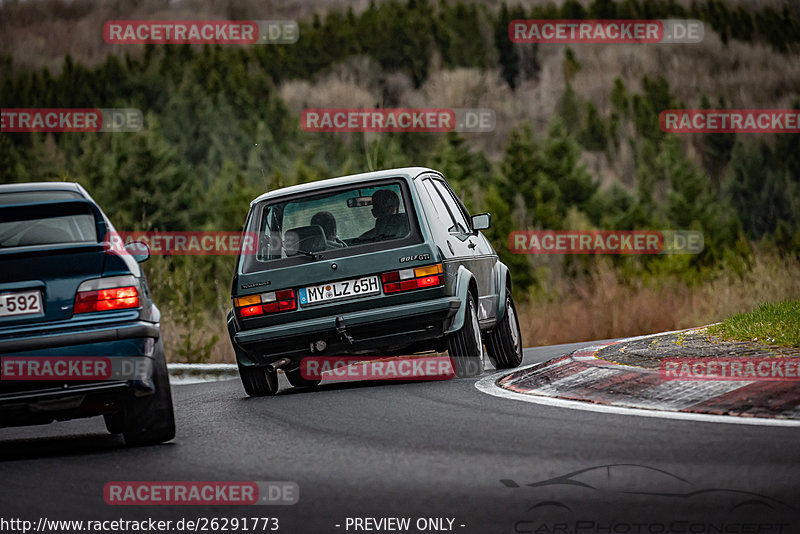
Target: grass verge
775,324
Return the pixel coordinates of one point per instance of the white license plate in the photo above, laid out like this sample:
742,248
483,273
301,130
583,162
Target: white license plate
20,303
360,287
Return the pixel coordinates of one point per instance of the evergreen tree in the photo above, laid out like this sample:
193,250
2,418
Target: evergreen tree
594,135
506,50
764,188
717,147
462,167
523,173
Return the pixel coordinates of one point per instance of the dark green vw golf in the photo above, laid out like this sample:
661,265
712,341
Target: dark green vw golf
381,263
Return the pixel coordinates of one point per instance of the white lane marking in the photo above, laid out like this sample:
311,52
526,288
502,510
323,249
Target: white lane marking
488,385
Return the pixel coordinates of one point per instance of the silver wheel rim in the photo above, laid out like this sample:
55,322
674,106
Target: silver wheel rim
512,320
476,332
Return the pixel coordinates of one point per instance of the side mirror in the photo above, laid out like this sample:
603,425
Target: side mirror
139,250
482,221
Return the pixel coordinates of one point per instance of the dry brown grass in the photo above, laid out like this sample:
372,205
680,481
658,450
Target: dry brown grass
601,307
213,324
606,306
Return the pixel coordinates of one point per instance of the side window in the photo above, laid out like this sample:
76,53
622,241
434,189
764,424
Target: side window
441,209
453,206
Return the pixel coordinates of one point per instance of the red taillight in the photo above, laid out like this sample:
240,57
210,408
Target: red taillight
286,301
117,298
250,311
393,276
430,281
266,303
409,279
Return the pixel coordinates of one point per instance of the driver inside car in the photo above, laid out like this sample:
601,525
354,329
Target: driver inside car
388,222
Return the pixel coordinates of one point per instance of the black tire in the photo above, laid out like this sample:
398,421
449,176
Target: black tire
465,346
296,379
114,423
258,381
504,342
149,420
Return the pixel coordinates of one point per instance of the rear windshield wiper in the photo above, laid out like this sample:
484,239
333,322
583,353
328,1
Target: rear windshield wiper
313,255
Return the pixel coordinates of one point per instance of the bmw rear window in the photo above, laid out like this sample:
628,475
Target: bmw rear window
336,222
48,230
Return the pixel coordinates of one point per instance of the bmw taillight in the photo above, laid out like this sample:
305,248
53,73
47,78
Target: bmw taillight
409,279
106,294
265,303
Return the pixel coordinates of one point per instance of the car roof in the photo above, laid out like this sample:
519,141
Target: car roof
411,172
43,186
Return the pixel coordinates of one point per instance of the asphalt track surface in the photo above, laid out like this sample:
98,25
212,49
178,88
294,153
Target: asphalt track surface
422,449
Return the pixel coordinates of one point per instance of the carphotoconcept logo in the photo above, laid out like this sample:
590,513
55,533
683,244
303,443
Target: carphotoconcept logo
605,31
730,121
182,243
201,32
70,120
345,368
606,242
756,369
568,513
201,493
466,120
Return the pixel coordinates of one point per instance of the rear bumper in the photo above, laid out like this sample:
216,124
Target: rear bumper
378,329
59,391
46,339
24,402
